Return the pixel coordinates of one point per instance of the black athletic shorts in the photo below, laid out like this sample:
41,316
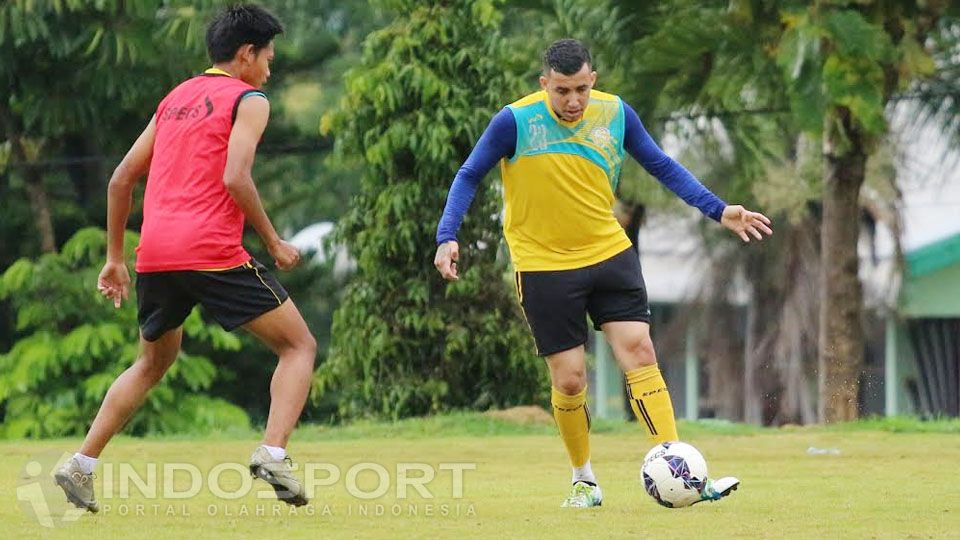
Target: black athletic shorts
232,297
556,303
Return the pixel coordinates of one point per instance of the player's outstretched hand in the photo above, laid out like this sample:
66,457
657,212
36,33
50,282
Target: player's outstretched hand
284,254
446,260
114,281
745,223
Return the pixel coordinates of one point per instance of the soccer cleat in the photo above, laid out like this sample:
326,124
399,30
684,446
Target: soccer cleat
584,495
77,485
714,490
279,474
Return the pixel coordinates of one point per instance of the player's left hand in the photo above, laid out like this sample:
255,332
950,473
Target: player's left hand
114,281
745,223
448,253
285,254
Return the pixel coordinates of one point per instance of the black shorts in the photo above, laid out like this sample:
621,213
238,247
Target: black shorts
556,303
232,297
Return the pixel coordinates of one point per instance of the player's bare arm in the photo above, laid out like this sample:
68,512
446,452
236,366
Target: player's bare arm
114,279
252,116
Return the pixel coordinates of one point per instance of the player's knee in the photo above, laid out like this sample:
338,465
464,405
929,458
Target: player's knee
303,345
572,383
308,346
640,350
152,369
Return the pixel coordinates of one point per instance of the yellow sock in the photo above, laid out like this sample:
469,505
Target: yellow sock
650,401
573,420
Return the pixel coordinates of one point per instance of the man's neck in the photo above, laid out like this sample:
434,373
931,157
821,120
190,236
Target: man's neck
228,68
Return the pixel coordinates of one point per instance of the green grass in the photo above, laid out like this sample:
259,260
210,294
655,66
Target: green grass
470,424
893,479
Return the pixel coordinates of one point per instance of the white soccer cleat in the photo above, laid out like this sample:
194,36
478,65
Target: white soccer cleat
77,485
718,489
584,495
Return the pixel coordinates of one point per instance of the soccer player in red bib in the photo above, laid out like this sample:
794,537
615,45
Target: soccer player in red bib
197,152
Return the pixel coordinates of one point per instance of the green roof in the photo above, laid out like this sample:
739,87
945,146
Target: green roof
935,256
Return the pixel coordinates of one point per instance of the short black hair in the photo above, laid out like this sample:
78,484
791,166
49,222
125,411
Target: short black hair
237,26
566,56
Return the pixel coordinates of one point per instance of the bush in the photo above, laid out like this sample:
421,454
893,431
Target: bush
73,343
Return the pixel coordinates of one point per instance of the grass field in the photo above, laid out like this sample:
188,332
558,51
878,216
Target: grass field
892,479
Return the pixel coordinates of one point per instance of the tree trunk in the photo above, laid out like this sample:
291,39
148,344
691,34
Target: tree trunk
723,365
841,305
752,393
40,204
33,177
795,348
761,387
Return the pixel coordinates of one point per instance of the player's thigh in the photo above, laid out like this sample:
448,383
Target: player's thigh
282,328
626,334
237,296
163,350
619,292
162,305
554,305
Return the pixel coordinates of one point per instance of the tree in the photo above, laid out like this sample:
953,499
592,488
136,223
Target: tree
126,55
404,342
695,71
834,66
844,63
73,344
72,70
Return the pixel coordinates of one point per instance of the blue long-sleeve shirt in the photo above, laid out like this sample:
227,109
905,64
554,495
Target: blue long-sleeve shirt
500,139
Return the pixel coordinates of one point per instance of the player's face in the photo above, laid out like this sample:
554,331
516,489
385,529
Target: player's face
256,65
569,94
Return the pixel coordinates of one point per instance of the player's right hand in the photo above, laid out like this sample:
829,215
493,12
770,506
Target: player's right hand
284,254
446,260
114,281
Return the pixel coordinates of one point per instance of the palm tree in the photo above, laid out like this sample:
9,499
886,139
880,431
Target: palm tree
716,88
834,68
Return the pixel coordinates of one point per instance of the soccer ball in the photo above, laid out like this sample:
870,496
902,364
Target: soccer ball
674,474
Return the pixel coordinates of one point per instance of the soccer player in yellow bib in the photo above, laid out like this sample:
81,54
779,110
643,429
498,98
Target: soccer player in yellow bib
560,152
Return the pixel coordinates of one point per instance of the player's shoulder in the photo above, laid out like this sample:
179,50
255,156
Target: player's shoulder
603,96
252,106
530,99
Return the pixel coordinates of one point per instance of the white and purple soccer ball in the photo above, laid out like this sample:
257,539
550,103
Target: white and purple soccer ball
674,474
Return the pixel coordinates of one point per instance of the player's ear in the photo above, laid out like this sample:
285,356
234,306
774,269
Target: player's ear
543,82
593,78
246,53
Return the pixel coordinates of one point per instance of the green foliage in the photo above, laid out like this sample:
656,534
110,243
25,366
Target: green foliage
80,78
836,58
404,342
119,94
708,60
113,50
73,344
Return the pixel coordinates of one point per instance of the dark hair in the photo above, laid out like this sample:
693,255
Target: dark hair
237,26
565,56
